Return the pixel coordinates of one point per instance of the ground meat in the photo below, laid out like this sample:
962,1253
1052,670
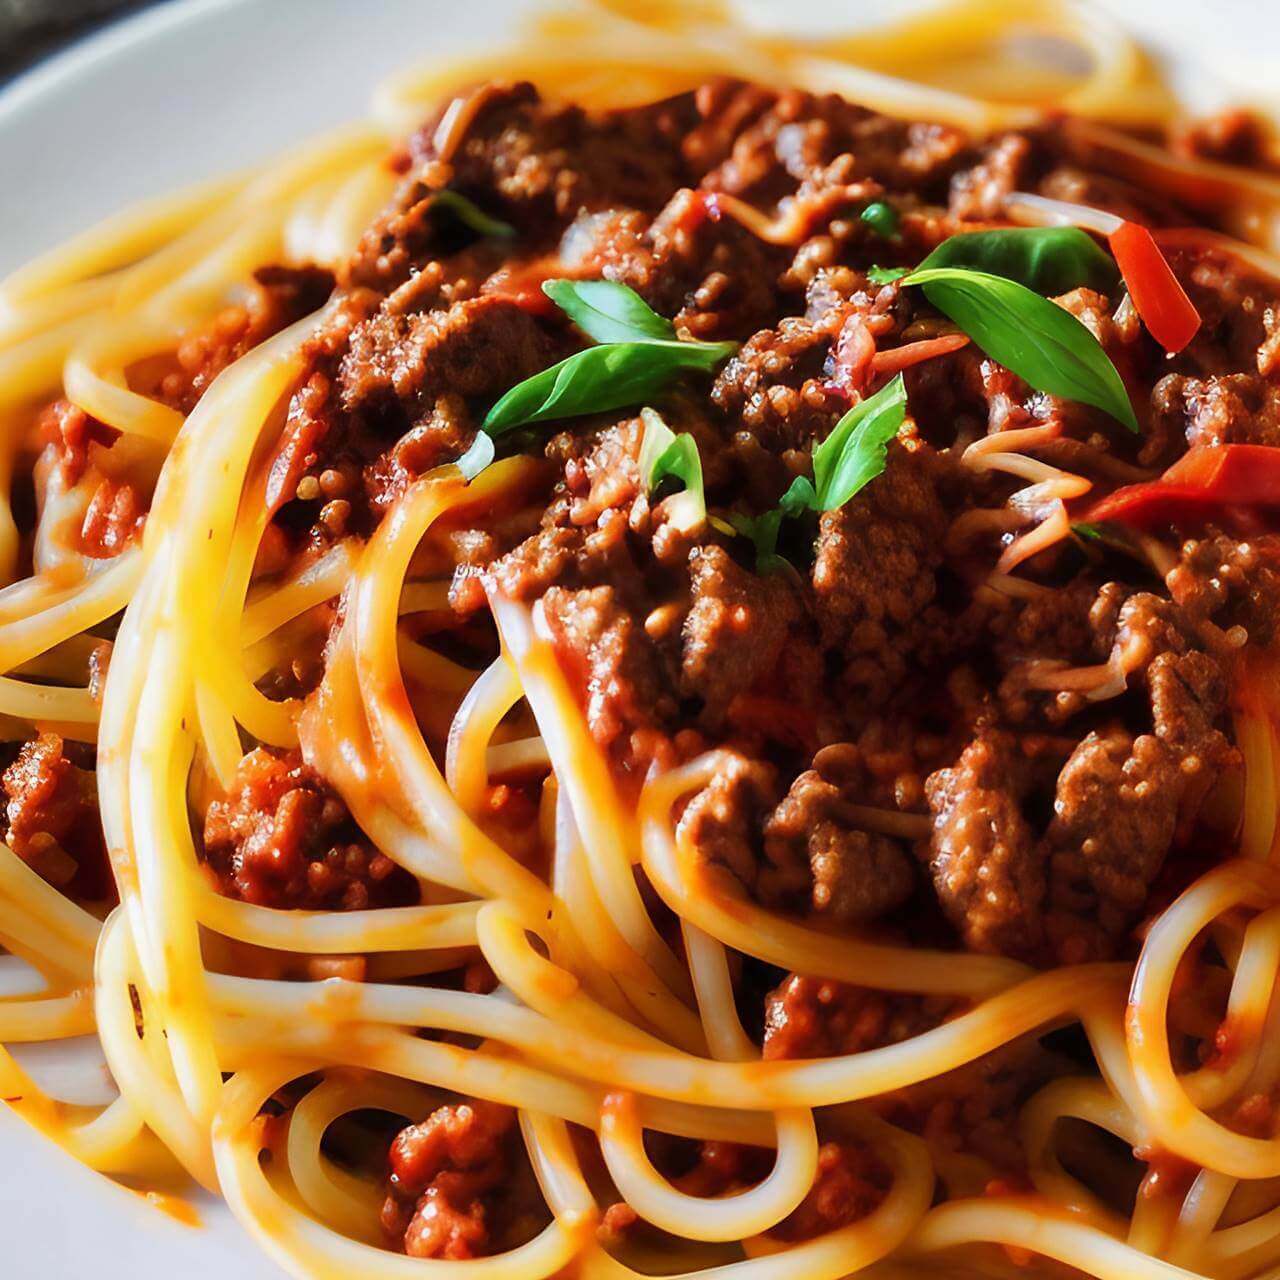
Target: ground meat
1231,136
818,1018
1114,817
1236,408
973,1111
1188,697
51,816
112,520
851,876
456,1188
72,434
850,1182
415,359
542,159
978,194
723,820
1231,583
735,630
876,567
986,870
779,386
614,665
281,295
282,838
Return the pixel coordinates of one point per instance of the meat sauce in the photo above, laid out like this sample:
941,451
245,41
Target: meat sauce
877,671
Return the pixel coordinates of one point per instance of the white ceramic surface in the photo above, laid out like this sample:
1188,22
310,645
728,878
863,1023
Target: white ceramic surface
200,87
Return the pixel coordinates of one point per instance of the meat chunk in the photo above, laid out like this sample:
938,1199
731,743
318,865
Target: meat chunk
454,1190
112,520
876,566
818,1018
724,820
615,666
849,875
1114,817
978,194
51,817
849,1183
1188,697
1235,408
282,838
280,295
986,870
778,384
1231,583
735,631
478,347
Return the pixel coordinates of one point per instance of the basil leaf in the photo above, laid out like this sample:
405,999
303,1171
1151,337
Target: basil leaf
609,312
611,376
665,455
1047,260
1089,532
471,215
857,449
477,457
1043,344
882,218
799,498
762,531
887,275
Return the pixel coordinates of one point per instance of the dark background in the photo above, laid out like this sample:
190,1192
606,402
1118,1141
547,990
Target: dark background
33,29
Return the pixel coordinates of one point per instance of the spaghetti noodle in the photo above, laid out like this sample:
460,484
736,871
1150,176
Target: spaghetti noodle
865,872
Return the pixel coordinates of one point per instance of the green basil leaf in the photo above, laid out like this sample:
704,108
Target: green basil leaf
665,455
887,275
1088,532
1047,260
611,376
477,457
857,449
799,498
609,312
1043,344
882,218
762,531
471,215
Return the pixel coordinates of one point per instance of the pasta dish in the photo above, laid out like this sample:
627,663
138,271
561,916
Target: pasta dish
663,662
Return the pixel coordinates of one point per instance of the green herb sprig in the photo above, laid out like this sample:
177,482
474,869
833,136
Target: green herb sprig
990,283
854,454
664,455
639,357
467,212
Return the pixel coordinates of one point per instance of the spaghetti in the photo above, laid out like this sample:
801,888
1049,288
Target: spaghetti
869,868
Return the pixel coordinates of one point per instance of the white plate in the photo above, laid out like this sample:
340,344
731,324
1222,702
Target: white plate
196,88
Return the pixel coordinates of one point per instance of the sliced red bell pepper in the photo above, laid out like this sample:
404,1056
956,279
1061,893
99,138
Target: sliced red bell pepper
1160,300
1213,477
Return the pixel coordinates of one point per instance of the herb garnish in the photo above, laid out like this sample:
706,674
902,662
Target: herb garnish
886,275
849,458
665,455
1046,260
609,312
882,218
471,215
477,457
640,359
853,454
986,282
1042,343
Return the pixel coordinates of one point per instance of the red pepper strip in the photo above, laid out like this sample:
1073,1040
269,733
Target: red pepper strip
1161,302
1213,476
